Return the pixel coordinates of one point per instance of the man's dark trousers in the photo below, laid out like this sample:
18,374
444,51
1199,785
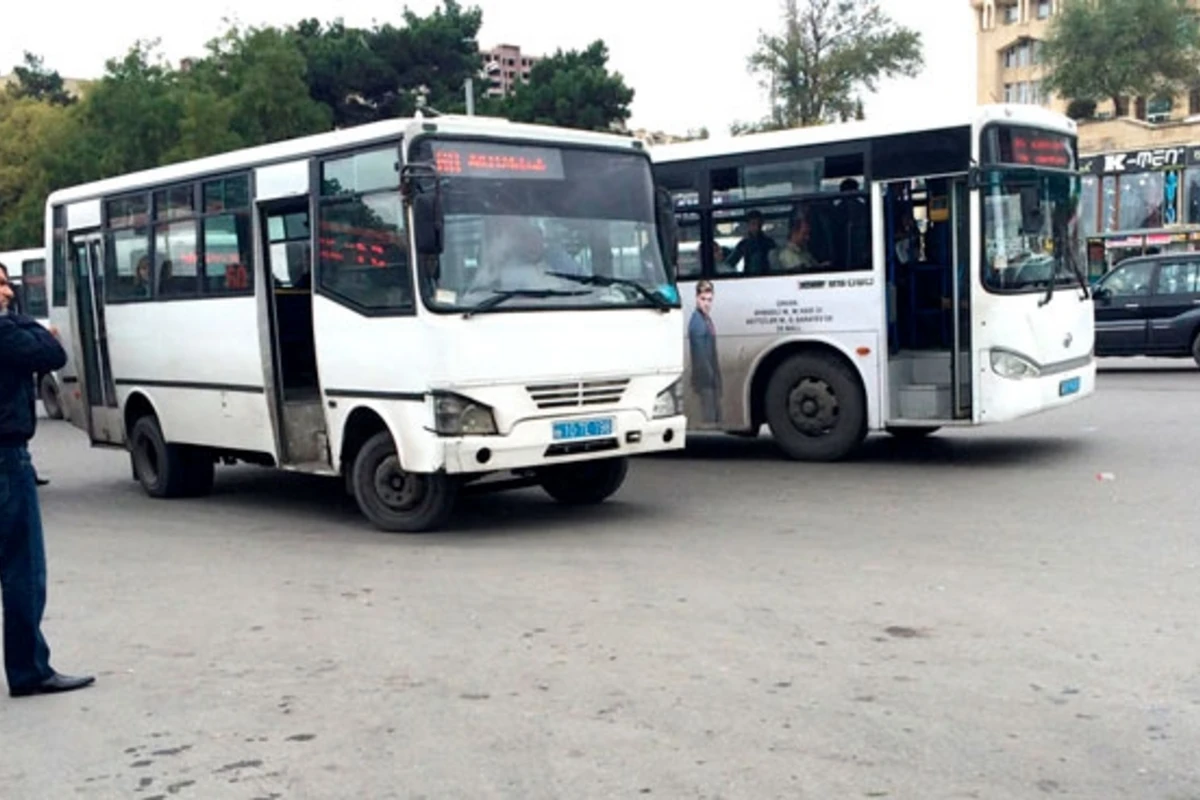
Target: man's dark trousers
23,569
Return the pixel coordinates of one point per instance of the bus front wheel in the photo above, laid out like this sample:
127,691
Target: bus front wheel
397,501
815,408
168,470
585,482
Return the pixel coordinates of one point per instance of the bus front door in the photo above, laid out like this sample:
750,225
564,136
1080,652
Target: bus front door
101,412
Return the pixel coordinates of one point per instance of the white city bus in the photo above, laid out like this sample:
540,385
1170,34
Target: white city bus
27,271
903,278
411,305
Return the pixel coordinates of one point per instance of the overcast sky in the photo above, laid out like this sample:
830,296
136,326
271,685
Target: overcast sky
685,59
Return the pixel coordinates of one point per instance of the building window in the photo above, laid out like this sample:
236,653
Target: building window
1043,9
1192,181
1141,201
1012,14
1109,199
1159,109
1089,205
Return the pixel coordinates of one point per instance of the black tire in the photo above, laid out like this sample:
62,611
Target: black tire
1196,348
815,408
905,432
168,470
396,501
586,482
48,389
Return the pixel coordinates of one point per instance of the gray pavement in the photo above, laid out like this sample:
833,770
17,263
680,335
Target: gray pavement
975,616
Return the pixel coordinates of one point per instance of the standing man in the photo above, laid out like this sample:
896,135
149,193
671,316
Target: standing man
705,367
26,348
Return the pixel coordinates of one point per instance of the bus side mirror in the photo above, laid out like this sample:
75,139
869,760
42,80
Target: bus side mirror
428,223
668,230
1101,293
420,186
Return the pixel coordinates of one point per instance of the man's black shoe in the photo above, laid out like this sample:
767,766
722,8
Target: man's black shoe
40,481
55,684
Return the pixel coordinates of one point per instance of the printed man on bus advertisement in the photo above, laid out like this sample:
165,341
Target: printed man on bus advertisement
702,345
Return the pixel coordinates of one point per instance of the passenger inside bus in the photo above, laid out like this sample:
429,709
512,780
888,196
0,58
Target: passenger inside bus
795,256
755,247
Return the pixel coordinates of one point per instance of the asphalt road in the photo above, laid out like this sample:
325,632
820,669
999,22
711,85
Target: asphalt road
1003,613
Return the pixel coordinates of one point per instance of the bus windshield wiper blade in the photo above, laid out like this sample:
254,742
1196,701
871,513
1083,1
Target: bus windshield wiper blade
655,298
505,295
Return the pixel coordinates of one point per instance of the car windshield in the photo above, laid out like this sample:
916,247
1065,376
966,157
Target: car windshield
1029,230
543,227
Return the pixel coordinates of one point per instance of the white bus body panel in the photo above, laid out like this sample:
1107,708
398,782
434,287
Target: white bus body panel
213,344
754,317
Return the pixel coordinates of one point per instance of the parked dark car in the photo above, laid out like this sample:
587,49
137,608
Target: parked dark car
1150,306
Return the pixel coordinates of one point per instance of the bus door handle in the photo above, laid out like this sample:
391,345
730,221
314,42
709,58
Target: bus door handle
1132,305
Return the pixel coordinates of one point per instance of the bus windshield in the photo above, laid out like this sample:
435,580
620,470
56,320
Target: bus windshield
1029,229
543,227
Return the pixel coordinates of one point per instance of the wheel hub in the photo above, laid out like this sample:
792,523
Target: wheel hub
397,489
813,407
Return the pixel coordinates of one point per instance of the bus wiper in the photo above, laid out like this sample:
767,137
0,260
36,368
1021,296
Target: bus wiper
504,296
655,298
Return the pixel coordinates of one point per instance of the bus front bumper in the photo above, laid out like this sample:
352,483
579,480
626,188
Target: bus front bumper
1007,399
563,440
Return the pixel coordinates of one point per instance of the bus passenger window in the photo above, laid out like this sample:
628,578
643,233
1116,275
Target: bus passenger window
227,254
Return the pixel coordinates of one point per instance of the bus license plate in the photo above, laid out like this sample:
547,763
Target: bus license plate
583,428
1069,386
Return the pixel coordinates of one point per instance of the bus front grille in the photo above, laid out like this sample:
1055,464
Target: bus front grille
578,394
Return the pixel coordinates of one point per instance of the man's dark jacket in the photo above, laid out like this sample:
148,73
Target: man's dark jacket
26,349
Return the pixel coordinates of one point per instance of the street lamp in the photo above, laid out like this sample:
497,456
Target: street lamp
489,69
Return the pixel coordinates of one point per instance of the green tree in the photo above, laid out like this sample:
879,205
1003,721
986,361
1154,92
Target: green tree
29,129
573,89
367,75
1110,50
129,119
827,53
255,81
35,81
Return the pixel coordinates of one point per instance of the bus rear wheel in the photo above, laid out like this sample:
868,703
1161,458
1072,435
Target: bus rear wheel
48,389
586,482
168,470
397,501
815,408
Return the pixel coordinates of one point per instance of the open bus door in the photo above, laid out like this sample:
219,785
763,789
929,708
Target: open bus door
101,415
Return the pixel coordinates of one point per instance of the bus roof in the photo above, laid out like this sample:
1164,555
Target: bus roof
869,129
346,138
13,259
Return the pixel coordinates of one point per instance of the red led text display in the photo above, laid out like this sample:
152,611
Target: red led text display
478,160
1029,147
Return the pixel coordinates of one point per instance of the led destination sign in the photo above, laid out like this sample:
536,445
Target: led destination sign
477,160
1029,147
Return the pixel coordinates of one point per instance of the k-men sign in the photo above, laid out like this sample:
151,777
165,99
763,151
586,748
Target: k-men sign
1155,160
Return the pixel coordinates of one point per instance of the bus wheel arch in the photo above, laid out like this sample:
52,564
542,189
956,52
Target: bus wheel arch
391,498
820,379
165,470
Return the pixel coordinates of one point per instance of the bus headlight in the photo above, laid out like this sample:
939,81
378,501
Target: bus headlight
668,402
1007,364
455,415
